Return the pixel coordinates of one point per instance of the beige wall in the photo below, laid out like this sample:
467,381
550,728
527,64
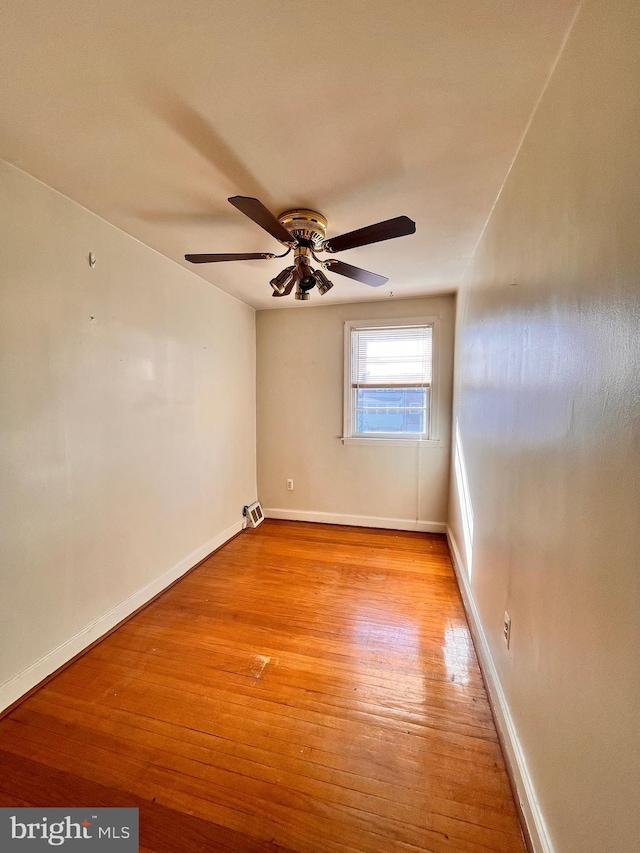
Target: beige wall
127,423
547,400
300,401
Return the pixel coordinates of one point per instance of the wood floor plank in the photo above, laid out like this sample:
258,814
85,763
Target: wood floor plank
161,828
308,688
442,795
283,702
331,788
488,784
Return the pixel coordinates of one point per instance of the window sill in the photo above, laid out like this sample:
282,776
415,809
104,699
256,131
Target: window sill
392,442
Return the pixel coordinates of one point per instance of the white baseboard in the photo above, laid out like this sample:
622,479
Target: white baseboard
357,520
530,808
24,681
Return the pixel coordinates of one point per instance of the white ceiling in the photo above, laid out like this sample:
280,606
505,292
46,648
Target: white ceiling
152,112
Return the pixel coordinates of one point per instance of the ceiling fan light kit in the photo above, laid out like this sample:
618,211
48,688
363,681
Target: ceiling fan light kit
304,232
285,279
323,282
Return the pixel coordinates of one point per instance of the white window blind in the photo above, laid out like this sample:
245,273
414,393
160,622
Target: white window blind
392,356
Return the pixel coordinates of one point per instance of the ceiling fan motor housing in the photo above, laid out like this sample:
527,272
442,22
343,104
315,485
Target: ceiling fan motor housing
307,225
310,229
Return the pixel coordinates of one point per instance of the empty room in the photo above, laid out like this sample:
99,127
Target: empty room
320,421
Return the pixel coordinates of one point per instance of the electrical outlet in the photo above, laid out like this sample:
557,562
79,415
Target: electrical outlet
289,485
506,628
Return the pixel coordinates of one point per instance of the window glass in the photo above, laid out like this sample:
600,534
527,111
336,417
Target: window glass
395,410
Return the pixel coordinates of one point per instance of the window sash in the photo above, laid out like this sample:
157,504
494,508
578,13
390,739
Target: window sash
423,410
394,358
372,390
374,385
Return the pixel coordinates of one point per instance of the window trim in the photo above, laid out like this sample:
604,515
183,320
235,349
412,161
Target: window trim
434,405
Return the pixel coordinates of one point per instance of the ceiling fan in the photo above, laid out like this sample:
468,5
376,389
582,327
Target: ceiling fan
304,232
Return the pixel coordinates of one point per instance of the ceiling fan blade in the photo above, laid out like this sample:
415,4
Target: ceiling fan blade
263,217
214,259
366,277
387,230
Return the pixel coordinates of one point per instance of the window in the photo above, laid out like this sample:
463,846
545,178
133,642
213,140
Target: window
389,389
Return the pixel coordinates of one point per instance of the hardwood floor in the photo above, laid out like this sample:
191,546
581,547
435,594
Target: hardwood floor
308,688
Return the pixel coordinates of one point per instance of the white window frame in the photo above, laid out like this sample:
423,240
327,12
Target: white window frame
434,403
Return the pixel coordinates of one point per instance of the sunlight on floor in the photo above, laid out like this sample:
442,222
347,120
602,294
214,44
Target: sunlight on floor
458,656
